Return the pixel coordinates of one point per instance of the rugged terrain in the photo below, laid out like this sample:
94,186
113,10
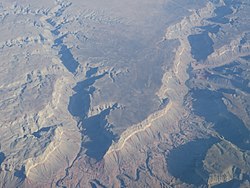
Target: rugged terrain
133,93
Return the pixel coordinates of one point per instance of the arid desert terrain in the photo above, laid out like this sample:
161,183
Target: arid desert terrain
125,93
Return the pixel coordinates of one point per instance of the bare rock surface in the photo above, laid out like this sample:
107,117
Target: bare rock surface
133,93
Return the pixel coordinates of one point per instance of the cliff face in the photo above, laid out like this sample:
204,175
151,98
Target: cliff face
124,94
225,162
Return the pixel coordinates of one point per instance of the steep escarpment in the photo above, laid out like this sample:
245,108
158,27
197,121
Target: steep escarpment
124,94
38,130
202,79
167,126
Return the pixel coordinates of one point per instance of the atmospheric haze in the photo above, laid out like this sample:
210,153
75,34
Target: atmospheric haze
129,94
